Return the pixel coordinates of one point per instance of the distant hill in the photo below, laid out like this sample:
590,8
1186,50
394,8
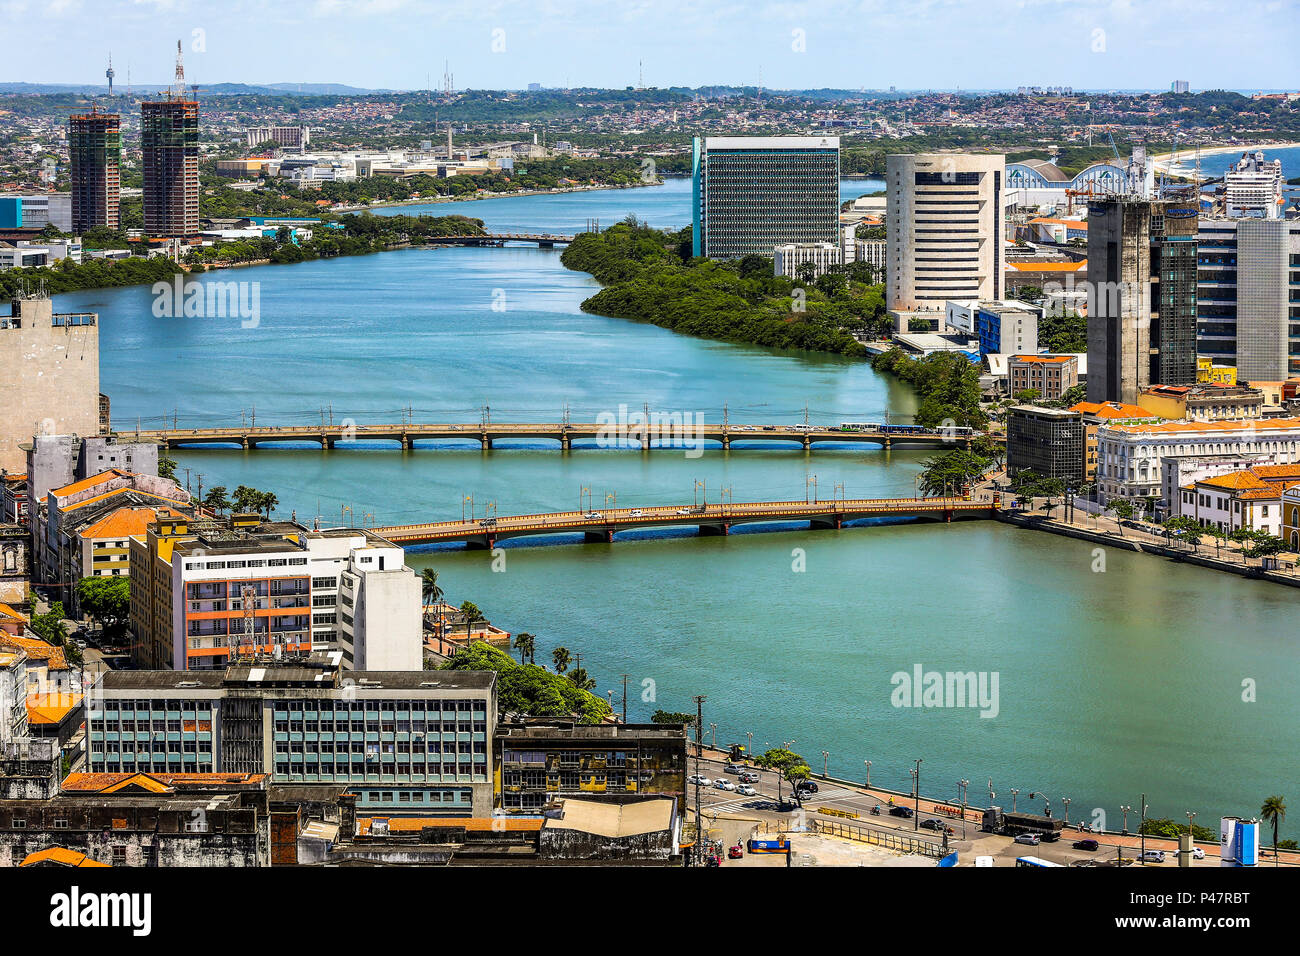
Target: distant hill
217,89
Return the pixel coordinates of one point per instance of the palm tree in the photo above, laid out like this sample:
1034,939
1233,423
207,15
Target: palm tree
472,616
266,502
246,498
216,499
578,677
1274,811
561,657
431,593
525,644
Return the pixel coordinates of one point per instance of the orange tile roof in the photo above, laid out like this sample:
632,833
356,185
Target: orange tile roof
1043,358
1167,428
90,482
51,709
479,824
1277,472
154,782
124,491
38,650
127,522
1112,410
1236,481
61,856
9,612
1072,223
1047,266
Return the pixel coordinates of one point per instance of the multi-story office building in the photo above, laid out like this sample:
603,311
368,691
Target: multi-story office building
1048,375
37,211
544,759
1047,441
413,743
205,593
1253,187
95,158
1248,296
290,137
169,139
820,256
1001,327
51,375
1130,457
1142,303
944,229
752,194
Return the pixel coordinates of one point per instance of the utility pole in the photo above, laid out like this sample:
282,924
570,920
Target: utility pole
625,676
916,814
699,721
200,477
1142,829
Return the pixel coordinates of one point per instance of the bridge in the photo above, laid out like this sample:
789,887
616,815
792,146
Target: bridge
543,240
668,435
710,519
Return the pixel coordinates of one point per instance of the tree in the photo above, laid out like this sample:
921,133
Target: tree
1187,529
789,766
949,473
472,616
671,717
266,503
430,591
1123,509
247,499
49,626
216,499
561,657
581,679
106,600
1274,811
166,467
525,644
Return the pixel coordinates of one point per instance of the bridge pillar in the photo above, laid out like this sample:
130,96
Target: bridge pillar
726,443
486,442
599,537
566,443
888,443
406,442
244,441
710,530
807,442
326,443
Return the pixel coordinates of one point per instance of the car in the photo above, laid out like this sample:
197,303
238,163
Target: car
1089,845
637,513
904,812
732,768
1028,839
1153,856
748,776
592,515
983,861
721,784
745,790
736,852
769,428
1198,853
936,825
806,786
699,778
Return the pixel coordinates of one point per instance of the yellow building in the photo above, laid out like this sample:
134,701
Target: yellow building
1208,373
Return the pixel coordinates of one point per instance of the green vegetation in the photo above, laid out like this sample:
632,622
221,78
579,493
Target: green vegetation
1170,829
68,276
950,473
947,383
529,689
1257,544
1067,332
107,601
649,276
252,501
1274,811
672,717
791,767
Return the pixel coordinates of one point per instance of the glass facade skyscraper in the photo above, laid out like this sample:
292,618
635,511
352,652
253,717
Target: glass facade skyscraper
754,193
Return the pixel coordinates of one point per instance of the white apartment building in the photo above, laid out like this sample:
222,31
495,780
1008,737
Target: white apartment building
1251,498
944,229
13,692
788,258
1129,457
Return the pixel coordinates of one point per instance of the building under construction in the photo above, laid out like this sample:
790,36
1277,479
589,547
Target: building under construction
95,159
169,137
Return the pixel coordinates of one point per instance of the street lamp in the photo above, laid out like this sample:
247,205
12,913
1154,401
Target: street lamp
1066,801
826,756
1014,793
1125,810
750,748
916,808
810,480
698,486
868,763
964,786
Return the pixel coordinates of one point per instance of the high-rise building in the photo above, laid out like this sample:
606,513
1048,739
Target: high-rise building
51,380
752,194
944,228
1048,441
1180,86
169,135
95,158
1248,313
1142,296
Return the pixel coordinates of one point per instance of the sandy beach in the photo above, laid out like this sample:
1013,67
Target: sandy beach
431,200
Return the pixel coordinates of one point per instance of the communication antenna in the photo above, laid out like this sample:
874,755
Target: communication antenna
178,82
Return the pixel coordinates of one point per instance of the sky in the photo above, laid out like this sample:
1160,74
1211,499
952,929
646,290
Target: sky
507,44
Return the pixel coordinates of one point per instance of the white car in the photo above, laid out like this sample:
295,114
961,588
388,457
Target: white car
636,514
683,511
592,516
1198,853
745,790
699,778
721,784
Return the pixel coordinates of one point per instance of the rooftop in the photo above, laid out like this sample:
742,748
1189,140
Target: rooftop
1269,426
60,856
1112,410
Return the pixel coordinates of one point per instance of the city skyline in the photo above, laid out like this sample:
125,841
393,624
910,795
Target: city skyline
578,43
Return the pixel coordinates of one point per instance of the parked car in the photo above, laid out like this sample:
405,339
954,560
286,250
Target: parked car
806,786
736,852
745,790
1198,853
1153,856
904,812
1028,839
1089,845
937,825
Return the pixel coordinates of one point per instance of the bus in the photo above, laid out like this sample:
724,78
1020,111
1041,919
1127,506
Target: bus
859,426
1035,861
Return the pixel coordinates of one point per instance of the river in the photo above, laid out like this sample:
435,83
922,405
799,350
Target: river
1111,682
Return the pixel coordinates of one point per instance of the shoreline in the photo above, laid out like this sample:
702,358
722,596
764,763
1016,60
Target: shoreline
1162,160
476,197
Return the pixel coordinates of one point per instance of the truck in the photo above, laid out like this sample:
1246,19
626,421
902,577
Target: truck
1013,824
